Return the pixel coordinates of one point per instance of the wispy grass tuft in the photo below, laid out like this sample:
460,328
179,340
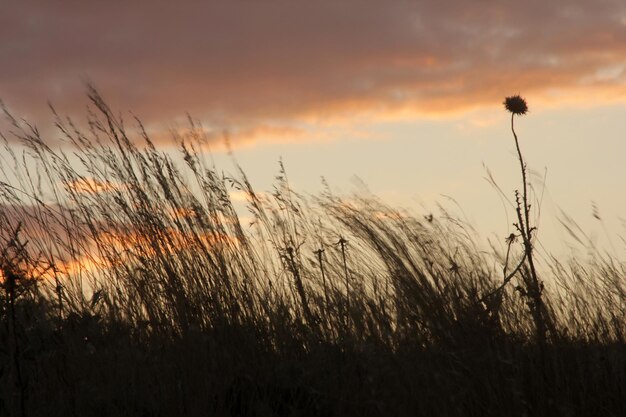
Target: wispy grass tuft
141,292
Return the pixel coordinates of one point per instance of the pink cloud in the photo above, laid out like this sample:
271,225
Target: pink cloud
255,64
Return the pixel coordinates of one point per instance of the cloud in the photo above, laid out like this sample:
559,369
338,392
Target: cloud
243,64
48,231
88,185
76,246
242,135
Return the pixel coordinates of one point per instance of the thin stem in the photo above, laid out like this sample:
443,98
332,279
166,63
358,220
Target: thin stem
342,243
320,259
506,280
534,290
525,226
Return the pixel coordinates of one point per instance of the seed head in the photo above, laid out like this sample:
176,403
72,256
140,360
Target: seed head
516,105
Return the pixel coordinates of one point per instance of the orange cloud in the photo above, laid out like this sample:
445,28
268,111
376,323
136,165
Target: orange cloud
119,247
92,186
258,69
74,253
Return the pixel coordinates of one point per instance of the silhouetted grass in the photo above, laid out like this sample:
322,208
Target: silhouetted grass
132,288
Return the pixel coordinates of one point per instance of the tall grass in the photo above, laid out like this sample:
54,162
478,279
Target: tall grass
131,287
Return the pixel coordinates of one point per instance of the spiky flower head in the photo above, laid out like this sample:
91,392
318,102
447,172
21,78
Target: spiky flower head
516,105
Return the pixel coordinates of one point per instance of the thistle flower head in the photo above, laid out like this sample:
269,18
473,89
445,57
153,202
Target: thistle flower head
516,105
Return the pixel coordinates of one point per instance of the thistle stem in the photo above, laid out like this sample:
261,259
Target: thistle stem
534,290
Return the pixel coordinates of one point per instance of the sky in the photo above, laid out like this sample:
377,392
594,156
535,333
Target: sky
402,96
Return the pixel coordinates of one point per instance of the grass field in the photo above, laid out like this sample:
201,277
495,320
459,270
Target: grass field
131,287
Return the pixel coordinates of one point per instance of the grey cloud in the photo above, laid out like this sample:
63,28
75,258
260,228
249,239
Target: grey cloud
249,62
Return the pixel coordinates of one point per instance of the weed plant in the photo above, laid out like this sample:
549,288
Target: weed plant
131,287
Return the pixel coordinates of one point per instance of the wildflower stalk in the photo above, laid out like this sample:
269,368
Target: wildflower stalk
342,243
517,106
320,253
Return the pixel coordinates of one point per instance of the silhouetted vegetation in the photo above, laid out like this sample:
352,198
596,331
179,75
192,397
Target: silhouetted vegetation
132,287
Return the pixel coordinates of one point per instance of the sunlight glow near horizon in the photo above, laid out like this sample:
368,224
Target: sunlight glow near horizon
417,164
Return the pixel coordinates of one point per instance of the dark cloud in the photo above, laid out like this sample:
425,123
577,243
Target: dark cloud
249,63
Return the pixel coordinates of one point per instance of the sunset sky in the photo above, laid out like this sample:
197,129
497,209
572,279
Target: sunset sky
406,96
